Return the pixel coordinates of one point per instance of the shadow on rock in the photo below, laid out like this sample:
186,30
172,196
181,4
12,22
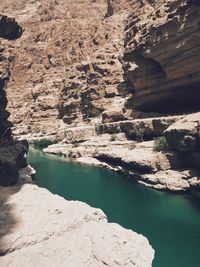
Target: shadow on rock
7,219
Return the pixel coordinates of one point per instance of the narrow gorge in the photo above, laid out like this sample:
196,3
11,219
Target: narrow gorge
109,83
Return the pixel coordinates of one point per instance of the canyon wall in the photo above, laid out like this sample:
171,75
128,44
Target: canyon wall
101,61
66,233
11,152
82,69
162,55
66,69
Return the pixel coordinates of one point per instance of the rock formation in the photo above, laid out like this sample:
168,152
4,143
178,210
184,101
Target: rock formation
92,67
12,153
67,59
162,57
98,61
38,228
42,229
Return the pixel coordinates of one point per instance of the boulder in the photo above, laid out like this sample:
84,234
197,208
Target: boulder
112,115
76,134
184,135
64,233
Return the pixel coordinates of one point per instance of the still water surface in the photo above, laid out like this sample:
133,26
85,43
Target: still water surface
170,222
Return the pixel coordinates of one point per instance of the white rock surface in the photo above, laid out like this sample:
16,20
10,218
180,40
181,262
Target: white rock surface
170,179
41,229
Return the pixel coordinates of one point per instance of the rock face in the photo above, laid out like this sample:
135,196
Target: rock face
162,58
11,152
83,60
69,52
183,137
64,233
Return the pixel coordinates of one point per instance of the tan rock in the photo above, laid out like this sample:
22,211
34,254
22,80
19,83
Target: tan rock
112,115
110,91
162,58
170,180
69,53
76,134
12,153
184,135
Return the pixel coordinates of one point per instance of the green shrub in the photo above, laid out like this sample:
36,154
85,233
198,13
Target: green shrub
136,134
43,143
113,137
160,144
98,129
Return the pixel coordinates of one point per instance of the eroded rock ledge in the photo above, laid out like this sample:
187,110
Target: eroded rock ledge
115,146
41,229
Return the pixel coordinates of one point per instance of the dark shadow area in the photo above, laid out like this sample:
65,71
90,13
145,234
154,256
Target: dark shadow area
7,219
182,100
12,153
9,28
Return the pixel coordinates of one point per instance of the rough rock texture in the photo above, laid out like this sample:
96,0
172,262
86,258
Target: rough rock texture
162,58
11,152
66,69
42,229
74,54
184,137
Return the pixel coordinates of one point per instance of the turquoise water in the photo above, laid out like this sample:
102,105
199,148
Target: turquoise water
170,222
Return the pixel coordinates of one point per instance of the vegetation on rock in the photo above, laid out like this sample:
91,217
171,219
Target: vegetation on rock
160,144
113,137
137,134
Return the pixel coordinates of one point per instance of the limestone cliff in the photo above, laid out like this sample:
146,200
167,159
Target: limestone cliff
63,233
66,69
162,57
98,61
11,152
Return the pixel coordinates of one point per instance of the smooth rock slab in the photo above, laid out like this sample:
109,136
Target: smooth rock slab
47,230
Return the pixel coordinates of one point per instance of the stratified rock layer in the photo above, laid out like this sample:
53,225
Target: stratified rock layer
74,55
128,147
162,58
46,230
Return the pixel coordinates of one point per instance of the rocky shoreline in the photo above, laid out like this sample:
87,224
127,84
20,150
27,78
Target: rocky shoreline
171,170
39,228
